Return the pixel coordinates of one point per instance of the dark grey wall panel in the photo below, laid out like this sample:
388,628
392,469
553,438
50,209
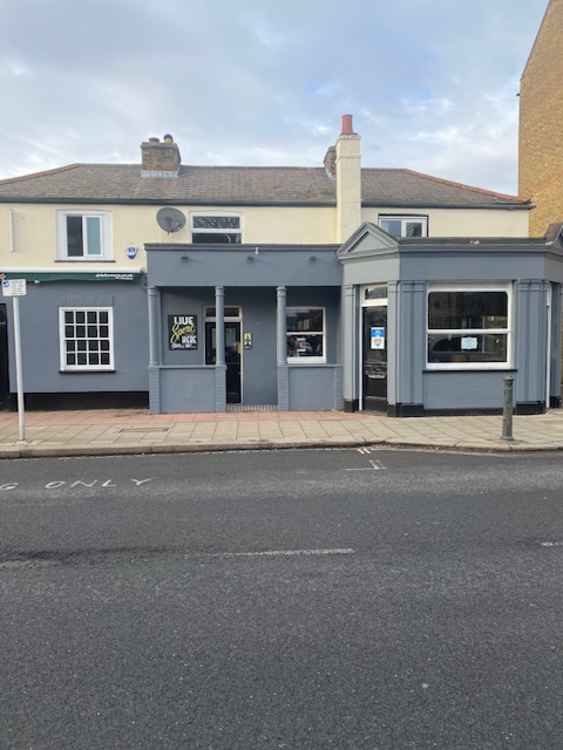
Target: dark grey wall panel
187,389
191,267
464,390
314,387
40,335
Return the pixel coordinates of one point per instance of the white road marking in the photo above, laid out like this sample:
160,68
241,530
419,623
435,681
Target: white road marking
374,466
552,544
287,553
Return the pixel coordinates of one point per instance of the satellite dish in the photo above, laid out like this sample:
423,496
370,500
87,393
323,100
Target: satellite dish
171,219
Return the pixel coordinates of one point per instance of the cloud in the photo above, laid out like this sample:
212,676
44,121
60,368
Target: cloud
432,83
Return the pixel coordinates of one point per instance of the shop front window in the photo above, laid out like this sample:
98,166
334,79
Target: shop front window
306,335
468,328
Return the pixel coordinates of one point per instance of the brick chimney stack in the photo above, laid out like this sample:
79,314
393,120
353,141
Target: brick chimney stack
160,158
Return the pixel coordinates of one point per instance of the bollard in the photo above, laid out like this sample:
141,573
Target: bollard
508,408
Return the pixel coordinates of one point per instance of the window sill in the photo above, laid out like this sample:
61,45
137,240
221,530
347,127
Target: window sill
88,371
84,260
302,363
468,370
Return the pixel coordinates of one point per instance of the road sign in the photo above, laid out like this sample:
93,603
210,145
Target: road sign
14,287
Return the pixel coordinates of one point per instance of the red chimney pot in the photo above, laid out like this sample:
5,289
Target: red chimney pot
347,127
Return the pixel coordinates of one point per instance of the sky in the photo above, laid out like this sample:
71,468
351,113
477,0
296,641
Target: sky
432,84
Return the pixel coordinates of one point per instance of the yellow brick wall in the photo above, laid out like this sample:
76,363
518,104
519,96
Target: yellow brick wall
541,123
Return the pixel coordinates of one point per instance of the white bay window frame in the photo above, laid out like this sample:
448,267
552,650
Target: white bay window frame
508,331
106,236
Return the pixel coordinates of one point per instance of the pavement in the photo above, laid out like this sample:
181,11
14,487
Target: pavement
356,599
130,431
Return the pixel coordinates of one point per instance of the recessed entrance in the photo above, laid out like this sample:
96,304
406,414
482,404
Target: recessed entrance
232,356
374,348
4,379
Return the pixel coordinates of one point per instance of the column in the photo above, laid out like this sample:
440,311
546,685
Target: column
220,367
349,349
529,332
281,347
153,300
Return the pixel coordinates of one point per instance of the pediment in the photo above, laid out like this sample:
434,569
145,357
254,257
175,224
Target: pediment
368,239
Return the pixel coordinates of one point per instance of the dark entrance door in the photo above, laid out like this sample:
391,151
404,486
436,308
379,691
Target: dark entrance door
374,357
4,382
232,357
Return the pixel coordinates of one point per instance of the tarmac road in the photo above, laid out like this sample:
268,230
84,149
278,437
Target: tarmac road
348,599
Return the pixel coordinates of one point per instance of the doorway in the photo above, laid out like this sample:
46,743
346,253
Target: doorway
374,357
4,376
232,356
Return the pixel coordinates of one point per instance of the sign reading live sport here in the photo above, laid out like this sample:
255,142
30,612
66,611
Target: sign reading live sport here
182,332
14,287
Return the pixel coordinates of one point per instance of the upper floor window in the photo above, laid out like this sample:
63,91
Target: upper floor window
408,227
220,229
84,235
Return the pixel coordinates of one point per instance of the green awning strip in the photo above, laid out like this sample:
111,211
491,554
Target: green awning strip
48,276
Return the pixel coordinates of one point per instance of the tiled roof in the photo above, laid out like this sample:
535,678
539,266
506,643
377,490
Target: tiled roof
114,183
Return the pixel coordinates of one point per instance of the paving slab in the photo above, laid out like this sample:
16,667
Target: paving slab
125,431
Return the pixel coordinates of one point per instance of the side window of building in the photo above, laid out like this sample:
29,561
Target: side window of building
219,229
306,334
84,236
468,328
86,338
407,227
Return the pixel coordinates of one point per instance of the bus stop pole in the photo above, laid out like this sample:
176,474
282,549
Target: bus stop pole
19,372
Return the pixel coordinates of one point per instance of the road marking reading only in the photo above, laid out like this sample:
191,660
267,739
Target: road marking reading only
60,483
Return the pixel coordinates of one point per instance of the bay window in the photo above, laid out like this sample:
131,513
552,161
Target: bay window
468,328
305,329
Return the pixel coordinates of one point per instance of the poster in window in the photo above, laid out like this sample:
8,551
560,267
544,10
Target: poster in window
377,338
469,343
182,332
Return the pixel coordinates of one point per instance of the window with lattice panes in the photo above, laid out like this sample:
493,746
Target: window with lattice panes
86,338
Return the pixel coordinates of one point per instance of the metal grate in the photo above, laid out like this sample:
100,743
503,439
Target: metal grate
247,407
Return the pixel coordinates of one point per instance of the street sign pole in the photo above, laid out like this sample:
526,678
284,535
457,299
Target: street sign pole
19,369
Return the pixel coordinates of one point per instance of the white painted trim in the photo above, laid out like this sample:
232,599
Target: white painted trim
382,302
11,231
233,214
307,360
62,353
465,366
106,236
230,319
366,306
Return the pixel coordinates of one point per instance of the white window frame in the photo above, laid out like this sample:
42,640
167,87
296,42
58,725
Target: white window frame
306,360
406,219
64,367
219,215
508,331
106,236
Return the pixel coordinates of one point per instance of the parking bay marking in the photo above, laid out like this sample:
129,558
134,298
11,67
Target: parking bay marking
75,484
373,466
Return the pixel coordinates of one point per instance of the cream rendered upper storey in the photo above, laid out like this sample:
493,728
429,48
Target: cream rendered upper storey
97,217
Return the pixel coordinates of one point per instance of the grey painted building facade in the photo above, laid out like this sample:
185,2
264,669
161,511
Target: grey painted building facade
407,326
